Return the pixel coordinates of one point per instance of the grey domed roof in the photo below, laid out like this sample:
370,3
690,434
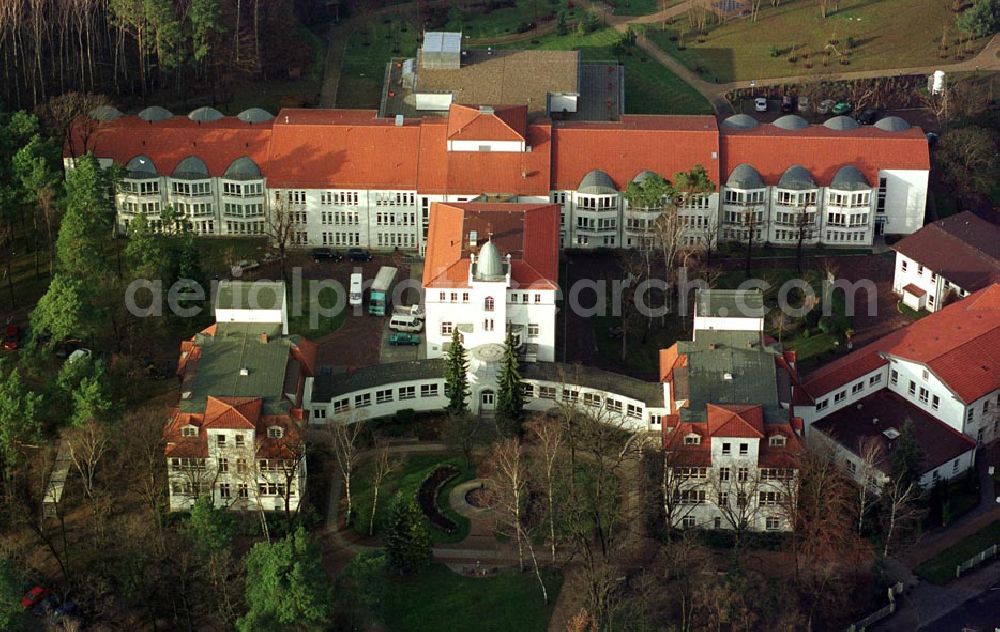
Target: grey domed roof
154,113
191,168
642,176
255,115
740,121
842,123
597,183
105,113
205,114
797,178
745,177
489,265
243,169
892,124
848,178
791,121
141,167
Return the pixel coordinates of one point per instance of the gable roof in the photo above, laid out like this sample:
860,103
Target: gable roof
528,232
963,248
502,122
960,344
745,421
232,412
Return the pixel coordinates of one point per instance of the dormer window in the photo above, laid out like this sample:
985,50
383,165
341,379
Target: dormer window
189,431
275,432
692,439
778,441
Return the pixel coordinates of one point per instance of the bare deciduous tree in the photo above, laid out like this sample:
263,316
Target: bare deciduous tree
346,447
87,446
384,465
549,441
868,473
899,508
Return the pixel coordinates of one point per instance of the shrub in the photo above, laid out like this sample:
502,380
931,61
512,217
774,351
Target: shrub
828,325
774,51
406,416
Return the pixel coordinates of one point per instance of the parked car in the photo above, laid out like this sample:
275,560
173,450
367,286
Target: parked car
760,104
359,255
803,104
825,106
414,310
787,104
319,254
841,108
34,596
399,338
12,337
869,116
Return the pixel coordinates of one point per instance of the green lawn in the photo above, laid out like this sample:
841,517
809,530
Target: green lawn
369,48
911,313
477,24
406,479
649,87
321,325
440,599
642,355
640,7
940,569
884,33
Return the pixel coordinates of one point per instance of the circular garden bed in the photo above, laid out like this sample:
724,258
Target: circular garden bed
427,497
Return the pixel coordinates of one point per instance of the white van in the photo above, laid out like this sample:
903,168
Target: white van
355,295
405,322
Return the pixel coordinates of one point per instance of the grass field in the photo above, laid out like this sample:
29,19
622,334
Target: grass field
642,348
369,48
301,324
940,569
406,479
640,7
649,87
477,24
885,33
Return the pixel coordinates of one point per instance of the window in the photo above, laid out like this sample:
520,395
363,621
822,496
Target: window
428,390
851,467
925,374
688,522
223,465
690,496
446,328
242,491
538,298
744,449
724,474
742,474
968,414
776,474
875,379
777,440
341,405
383,396
772,524
770,498
241,466
935,402
692,440
823,404
527,389
189,431
591,399
727,448
275,432
912,388
920,270
488,304
902,265
362,400
717,522
465,297
954,467
634,411
924,394
894,377
225,491
857,388
547,392
532,330
839,397
220,440
407,392
687,473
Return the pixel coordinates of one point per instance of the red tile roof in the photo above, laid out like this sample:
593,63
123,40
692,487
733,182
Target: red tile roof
663,144
502,122
910,288
963,248
735,421
872,415
771,151
960,344
729,422
529,232
232,412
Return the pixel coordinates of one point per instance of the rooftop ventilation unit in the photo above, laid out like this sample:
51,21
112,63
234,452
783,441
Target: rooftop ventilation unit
486,109
399,120
244,372
891,433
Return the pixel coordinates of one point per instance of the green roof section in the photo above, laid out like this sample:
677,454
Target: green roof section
239,362
730,303
728,367
250,295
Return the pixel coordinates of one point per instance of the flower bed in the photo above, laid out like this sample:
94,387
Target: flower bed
427,497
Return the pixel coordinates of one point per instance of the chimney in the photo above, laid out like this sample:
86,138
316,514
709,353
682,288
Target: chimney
473,239
263,337
286,119
399,120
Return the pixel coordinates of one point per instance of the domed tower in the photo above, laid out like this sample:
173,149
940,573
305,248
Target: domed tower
489,266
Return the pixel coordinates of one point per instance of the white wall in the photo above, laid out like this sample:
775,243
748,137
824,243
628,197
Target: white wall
486,145
819,411
905,201
433,102
950,408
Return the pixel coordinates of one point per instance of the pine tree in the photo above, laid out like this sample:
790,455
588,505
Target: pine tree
510,393
456,382
407,541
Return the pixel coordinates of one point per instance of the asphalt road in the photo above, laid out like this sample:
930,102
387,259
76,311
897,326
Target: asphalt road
981,614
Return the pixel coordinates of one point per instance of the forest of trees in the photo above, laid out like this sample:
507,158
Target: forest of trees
132,48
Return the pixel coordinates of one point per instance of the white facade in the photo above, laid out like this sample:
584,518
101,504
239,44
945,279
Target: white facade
937,288
236,476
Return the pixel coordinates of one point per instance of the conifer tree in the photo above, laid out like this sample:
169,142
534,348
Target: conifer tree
456,382
407,541
510,393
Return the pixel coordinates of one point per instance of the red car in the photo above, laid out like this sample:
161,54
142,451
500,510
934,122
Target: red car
12,337
34,596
